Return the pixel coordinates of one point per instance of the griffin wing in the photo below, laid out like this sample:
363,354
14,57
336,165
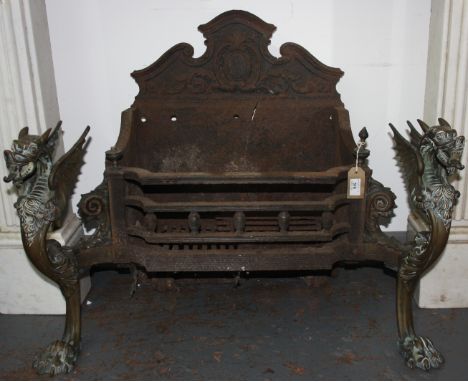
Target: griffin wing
409,161
64,175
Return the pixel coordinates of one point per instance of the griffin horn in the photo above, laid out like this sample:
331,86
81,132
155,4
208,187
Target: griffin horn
45,135
424,126
49,133
10,176
443,122
23,132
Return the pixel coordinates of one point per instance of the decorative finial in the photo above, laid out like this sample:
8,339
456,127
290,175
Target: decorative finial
363,134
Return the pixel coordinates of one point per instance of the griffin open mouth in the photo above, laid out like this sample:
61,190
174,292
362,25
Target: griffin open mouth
457,152
8,159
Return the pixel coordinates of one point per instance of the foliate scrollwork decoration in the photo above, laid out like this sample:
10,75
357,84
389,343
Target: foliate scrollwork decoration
414,261
93,209
237,60
197,82
270,82
64,263
426,162
380,203
44,189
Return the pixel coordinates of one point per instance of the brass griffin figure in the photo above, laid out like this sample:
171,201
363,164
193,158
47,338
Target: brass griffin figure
426,161
44,189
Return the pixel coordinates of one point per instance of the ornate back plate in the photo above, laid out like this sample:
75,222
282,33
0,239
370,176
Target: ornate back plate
238,108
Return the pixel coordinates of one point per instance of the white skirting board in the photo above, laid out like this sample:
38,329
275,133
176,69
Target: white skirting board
445,285
23,290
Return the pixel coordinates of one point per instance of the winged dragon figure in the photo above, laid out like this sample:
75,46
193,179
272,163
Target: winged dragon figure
426,162
44,189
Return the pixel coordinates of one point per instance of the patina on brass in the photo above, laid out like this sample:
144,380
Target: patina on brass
44,189
234,161
426,161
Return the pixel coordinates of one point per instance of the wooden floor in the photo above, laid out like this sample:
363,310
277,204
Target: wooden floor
286,328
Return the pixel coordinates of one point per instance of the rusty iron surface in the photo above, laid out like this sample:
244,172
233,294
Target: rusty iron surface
235,160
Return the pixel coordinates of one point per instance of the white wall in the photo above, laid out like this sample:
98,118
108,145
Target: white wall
380,45
27,98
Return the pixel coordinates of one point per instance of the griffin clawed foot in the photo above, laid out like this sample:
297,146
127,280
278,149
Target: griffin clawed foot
59,357
419,352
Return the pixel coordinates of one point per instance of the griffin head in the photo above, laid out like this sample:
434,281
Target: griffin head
447,145
28,154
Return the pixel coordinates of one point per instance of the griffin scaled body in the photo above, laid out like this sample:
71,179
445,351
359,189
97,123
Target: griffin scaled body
426,162
44,189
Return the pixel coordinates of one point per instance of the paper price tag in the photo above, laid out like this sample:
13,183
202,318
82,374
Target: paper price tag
356,183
